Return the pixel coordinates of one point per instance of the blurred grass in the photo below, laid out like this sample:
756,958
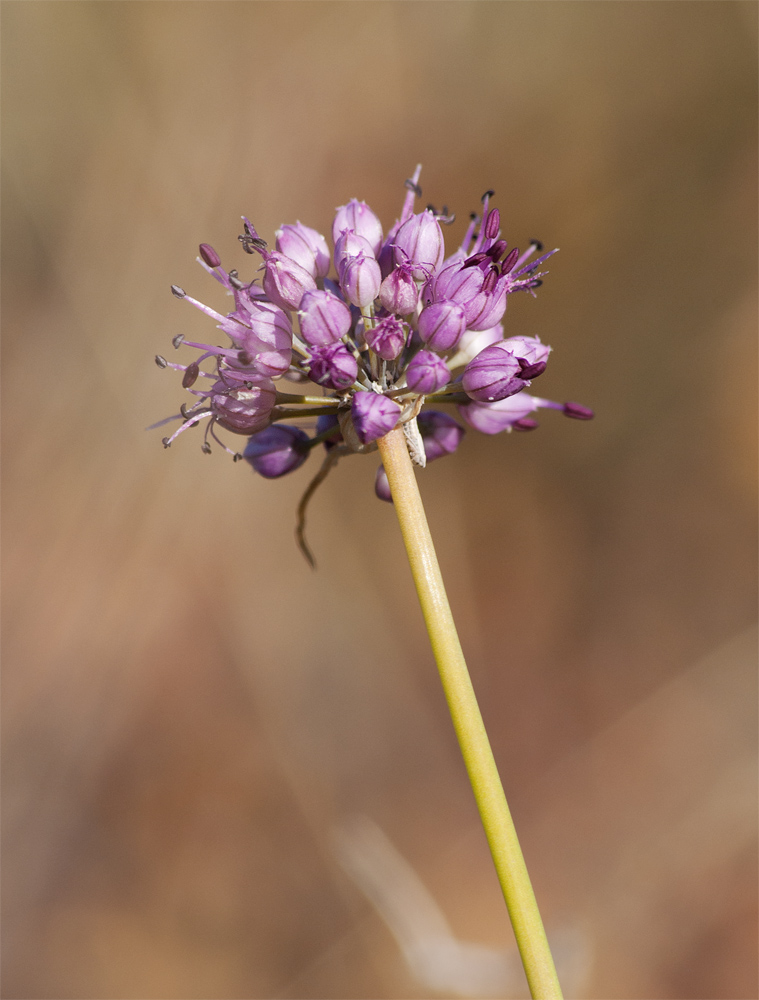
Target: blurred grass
188,710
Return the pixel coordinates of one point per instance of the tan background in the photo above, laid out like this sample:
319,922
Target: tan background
189,711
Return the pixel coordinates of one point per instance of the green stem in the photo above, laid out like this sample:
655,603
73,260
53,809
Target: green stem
467,721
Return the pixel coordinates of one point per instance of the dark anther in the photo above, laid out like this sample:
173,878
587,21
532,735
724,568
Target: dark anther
537,244
511,258
473,216
179,292
248,385
410,186
491,279
492,224
209,255
235,282
190,376
183,411
165,442
431,208
577,411
475,259
206,448
245,357
161,362
497,250
176,341
531,371
525,424
488,194
445,217
236,457
537,283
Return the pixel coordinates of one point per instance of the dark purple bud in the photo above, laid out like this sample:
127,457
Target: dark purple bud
277,450
420,242
441,435
382,486
161,361
442,324
427,372
492,375
388,338
324,319
398,292
190,376
333,366
525,424
492,224
531,371
329,422
578,412
357,215
306,247
209,255
373,415
360,280
286,282
178,292
511,258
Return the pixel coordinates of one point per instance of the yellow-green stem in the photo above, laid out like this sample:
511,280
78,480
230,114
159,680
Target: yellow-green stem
467,721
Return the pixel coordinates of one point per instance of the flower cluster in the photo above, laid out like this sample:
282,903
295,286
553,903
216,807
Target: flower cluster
398,325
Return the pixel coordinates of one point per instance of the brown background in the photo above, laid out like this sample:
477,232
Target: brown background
189,711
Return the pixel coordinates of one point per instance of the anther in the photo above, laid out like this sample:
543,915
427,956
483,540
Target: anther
491,279
179,292
190,376
176,341
166,442
510,260
488,194
410,186
537,283
245,358
492,224
537,244
161,362
525,424
497,250
473,216
209,255
578,412
236,457
235,282
531,371
183,411
475,259
206,448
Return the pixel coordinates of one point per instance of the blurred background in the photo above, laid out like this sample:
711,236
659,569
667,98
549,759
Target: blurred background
226,775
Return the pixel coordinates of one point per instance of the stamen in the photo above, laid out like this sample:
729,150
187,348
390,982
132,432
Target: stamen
161,361
411,185
537,244
510,260
492,224
577,411
497,250
488,194
209,255
525,424
475,259
178,292
179,339
190,376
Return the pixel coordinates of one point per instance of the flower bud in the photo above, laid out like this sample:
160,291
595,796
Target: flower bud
357,215
333,366
324,318
492,418
398,292
373,415
277,450
350,244
306,247
328,422
360,280
427,372
285,281
441,434
442,324
493,375
387,338
382,486
419,241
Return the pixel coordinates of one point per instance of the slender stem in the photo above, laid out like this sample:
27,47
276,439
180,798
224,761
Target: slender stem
467,721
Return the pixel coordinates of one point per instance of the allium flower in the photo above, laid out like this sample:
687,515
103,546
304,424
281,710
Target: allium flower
397,326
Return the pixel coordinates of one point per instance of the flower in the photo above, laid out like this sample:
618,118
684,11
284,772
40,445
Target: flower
397,327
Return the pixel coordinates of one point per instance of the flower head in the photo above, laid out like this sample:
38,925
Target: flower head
399,326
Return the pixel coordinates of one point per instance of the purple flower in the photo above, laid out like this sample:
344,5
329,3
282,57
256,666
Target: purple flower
360,280
373,415
441,435
324,318
357,215
277,450
492,375
306,247
427,372
242,407
350,244
285,282
442,324
387,338
398,292
419,242
333,366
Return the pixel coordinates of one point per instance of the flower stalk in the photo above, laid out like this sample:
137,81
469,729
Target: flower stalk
467,720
